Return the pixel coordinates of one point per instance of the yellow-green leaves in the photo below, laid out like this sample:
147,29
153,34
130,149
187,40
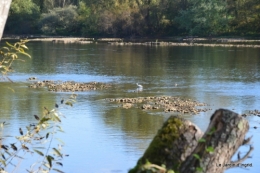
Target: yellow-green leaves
39,152
3,162
57,152
197,156
43,120
210,149
37,138
69,103
9,54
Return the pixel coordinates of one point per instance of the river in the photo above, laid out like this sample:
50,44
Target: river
101,137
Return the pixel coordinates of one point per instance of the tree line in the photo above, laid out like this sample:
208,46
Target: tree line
134,18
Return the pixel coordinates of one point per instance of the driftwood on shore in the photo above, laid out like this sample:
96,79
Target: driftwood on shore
182,147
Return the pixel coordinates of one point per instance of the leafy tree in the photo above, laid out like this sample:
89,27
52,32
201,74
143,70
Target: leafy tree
124,18
244,16
87,19
60,21
23,17
204,17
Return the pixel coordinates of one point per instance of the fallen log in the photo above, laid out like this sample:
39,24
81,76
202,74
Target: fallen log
182,147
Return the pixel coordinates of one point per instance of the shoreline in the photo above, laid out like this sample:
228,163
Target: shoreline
171,41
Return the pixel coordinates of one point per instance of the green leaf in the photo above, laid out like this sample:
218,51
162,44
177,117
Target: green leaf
57,118
196,156
22,45
69,103
210,149
14,56
21,50
26,54
3,162
211,131
54,169
44,119
9,45
49,159
39,152
6,48
202,140
57,152
199,169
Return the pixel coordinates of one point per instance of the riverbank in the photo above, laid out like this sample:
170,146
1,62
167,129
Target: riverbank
170,41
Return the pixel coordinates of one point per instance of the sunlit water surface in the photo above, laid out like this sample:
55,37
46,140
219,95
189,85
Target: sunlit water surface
101,137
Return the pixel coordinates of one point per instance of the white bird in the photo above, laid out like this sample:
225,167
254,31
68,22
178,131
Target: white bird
139,86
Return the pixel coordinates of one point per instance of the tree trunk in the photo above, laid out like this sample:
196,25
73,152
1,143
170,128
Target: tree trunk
225,134
172,144
181,146
4,9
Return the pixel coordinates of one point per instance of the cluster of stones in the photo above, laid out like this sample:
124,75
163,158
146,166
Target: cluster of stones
40,84
253,112
69,86
185,44
167,103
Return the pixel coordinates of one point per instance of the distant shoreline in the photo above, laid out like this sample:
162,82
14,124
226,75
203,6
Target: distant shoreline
170,41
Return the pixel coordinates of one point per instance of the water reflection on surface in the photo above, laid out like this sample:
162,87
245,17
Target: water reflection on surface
102,137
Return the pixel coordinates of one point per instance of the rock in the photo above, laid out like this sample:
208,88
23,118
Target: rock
146,106
127,105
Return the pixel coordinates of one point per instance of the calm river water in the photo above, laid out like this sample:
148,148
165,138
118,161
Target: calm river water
101,137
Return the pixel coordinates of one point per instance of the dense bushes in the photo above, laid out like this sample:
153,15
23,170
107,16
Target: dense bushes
60,21
121,18
23,17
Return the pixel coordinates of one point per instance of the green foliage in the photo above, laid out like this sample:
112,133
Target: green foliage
210,149
60,21
199,169
36,138
36,135
212,130
23,17
88,20
134,17
9,54
149,167
204,17
197,156
202,140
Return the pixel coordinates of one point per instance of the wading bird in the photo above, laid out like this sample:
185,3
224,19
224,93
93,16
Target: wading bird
140,86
